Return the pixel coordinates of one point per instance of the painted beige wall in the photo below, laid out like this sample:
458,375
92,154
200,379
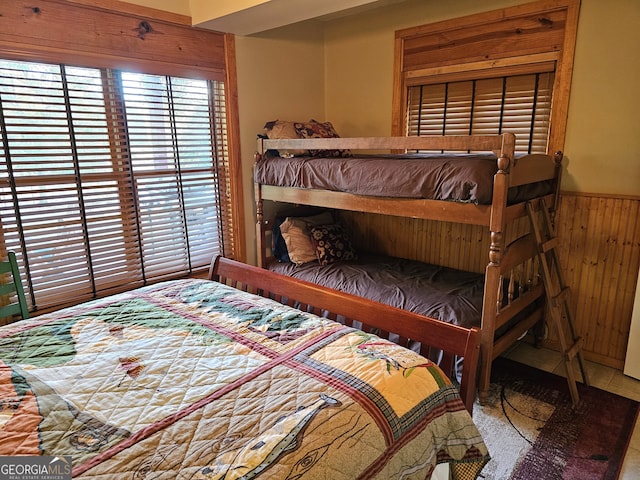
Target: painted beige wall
202,10
281,76
603,133
181,7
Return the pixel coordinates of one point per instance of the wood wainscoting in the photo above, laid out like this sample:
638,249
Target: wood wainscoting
600,255
599,252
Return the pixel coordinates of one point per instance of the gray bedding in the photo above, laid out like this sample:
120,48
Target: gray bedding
442,293
454,177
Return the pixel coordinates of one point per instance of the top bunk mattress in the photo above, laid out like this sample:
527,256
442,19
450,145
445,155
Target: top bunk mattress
464,178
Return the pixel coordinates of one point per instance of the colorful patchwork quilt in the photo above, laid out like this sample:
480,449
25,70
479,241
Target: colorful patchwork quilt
192,379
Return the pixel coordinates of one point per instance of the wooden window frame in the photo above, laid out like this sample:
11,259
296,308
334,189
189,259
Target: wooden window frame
515,40
128,37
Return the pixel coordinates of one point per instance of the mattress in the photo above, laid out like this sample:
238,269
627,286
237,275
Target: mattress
464,178
446,294
194,379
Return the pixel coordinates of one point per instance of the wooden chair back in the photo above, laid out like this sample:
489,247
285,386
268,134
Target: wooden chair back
11,289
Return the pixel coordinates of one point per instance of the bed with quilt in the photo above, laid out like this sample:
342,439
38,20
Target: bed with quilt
197,379
473,180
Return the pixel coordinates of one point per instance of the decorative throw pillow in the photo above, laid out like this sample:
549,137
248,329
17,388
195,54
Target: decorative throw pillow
280,129
279,245
294,231
315,129
331,243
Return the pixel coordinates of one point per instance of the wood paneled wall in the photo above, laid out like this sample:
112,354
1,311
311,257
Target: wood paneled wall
465,247
600,256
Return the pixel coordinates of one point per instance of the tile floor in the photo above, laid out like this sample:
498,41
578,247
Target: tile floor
605,378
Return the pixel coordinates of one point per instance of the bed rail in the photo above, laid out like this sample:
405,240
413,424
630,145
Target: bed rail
486,143
397,325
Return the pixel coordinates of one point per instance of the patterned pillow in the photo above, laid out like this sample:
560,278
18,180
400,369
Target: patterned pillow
315,129
281,129
295,233
332,244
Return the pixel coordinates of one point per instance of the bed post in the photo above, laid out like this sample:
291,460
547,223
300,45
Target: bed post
260,238
492,274
557,158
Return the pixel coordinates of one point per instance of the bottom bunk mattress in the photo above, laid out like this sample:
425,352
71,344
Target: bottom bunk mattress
193,379
446,294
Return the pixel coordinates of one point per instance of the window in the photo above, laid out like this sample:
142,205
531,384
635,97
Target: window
109,179
519,104
506,70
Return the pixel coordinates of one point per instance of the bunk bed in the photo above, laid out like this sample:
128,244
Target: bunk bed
224,378
476,180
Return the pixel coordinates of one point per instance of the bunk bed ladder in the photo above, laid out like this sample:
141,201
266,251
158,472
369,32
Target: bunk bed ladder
557,295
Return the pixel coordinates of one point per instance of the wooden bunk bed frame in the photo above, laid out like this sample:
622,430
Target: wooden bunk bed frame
371,317
515,262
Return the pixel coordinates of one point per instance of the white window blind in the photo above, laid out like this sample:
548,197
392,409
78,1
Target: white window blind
108,179
520,104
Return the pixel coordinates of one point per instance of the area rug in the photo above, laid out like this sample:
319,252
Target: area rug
533,432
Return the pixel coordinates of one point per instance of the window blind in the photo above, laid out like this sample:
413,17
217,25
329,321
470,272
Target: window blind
108,179
520,104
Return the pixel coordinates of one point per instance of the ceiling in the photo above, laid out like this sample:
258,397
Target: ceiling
247,17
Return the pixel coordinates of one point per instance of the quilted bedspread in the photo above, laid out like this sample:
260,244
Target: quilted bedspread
192,379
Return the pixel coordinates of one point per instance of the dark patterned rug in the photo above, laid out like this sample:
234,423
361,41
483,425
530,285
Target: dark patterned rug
533,433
